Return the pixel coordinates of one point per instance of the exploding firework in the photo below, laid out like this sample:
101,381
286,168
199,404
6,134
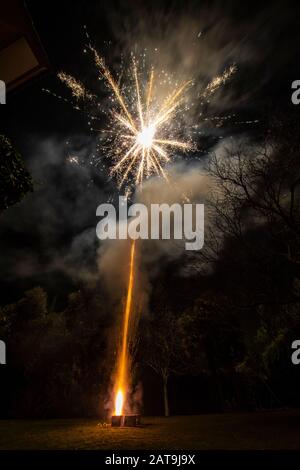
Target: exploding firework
145,139
145,122
143,133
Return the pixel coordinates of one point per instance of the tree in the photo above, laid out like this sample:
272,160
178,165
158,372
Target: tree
254,242
56,359
211,343
15,180
161,349
255,214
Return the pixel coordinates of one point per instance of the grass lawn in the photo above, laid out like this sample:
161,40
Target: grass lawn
261,430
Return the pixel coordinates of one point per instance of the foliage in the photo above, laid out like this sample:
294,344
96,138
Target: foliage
56,359
15,181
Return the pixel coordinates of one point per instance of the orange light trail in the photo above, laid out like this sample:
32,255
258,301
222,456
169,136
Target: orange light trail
122,381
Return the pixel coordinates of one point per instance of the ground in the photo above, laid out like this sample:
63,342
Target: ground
263,430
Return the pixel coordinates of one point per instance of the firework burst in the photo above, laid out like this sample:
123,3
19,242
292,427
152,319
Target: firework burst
143,129
145,139
145,125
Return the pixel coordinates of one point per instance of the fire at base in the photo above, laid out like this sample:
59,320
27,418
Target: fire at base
122,381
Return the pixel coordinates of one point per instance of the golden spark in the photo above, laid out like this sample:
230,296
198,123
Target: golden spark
144,147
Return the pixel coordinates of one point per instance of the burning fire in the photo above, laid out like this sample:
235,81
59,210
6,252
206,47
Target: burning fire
122,376
119,403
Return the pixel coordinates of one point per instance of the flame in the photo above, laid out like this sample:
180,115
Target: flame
123,359
119,403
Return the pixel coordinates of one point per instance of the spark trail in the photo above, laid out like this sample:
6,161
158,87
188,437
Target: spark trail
122,373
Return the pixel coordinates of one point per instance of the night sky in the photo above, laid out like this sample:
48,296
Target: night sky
51,234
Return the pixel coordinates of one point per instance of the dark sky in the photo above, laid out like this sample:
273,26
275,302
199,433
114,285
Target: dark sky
271,29
51,233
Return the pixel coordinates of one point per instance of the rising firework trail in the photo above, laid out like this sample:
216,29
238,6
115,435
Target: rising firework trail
122,372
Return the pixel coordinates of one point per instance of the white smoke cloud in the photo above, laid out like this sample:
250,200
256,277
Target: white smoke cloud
185,183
